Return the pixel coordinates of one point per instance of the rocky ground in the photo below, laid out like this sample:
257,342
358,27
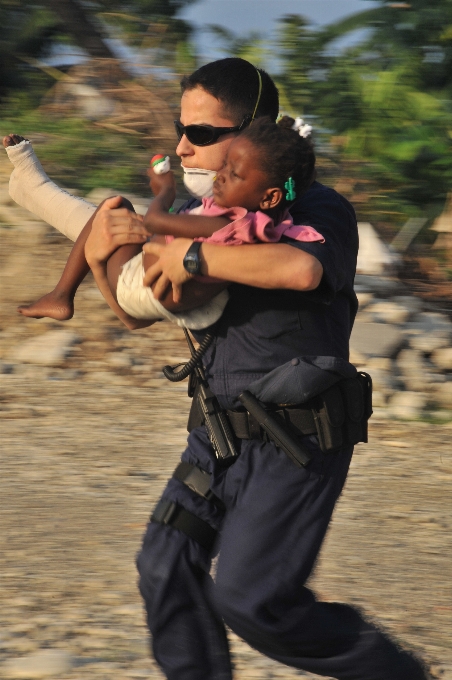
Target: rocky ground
86,451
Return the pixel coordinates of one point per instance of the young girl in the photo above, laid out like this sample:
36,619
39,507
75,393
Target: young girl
267,167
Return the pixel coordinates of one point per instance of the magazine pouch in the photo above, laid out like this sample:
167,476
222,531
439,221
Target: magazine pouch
341,413
354,424
329,417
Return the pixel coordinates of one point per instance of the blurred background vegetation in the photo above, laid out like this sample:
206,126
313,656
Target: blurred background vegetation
381,108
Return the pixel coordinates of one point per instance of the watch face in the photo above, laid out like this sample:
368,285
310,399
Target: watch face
191,260
191,264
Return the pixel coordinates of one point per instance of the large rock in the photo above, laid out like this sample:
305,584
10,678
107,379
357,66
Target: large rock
49,349
443,395
431,322
428,342
411,361
389,312
385,287
364,299
429,331
407,405
382,380
414,304
442,358
374,257
376,339
44,664
417,373
378,399
380,363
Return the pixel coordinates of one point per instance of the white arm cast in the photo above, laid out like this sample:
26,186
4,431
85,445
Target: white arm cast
31,188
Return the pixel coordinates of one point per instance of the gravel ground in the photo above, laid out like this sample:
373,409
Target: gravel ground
86,452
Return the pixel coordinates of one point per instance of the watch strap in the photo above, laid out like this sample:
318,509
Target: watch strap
192,260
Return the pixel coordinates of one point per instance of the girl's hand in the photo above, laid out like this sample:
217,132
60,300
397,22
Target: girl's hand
161,183
112,227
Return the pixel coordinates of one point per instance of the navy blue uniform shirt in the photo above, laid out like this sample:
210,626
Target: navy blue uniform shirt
261,329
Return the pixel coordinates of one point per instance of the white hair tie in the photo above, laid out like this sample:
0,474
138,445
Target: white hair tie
303,129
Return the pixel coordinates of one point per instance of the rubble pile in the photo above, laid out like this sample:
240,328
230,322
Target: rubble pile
407,350
401,340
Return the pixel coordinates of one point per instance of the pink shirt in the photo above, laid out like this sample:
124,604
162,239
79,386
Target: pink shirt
252,227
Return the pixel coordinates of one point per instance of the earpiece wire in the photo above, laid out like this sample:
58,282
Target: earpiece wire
258,96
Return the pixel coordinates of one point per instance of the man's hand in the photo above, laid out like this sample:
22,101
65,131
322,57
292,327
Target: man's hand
112,227
169,268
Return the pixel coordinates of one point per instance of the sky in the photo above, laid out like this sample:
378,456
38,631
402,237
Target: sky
241,17
244,16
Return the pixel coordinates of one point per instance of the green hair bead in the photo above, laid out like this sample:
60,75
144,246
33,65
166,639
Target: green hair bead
290,187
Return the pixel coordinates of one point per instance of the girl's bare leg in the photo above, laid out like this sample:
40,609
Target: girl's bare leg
59,303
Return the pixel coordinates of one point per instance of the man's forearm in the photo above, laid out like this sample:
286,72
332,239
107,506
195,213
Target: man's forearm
265,265
273,265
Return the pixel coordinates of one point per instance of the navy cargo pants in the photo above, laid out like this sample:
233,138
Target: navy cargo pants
274,521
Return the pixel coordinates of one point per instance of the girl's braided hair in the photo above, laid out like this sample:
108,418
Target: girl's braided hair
283,153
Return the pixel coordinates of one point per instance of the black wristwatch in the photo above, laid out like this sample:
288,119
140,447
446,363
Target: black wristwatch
192,261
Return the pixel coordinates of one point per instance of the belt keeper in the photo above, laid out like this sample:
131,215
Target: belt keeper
255,431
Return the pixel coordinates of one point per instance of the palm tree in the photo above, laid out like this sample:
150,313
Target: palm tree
31,27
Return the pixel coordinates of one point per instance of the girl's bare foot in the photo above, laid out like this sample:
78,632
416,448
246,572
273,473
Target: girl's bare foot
54,305
12,140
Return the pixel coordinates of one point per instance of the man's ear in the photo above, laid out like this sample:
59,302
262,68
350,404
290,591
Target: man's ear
271,198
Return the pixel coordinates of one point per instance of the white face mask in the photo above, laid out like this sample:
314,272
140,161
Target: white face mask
198,182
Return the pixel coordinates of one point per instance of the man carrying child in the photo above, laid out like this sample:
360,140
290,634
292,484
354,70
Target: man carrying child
292,305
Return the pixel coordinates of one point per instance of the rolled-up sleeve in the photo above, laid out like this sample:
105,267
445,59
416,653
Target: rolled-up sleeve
334,218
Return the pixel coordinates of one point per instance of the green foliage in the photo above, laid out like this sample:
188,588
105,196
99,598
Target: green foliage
389,100
297,50
81,155
25,35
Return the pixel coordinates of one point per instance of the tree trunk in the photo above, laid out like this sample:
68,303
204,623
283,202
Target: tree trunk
81,27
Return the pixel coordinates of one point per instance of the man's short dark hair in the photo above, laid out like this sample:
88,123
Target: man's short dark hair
235,83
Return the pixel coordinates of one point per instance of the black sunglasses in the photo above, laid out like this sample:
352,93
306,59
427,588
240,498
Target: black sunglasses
203,135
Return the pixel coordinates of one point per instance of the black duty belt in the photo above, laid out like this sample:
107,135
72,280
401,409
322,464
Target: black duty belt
245,426
338,416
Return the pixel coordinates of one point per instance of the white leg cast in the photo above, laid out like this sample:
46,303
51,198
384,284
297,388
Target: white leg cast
31,188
